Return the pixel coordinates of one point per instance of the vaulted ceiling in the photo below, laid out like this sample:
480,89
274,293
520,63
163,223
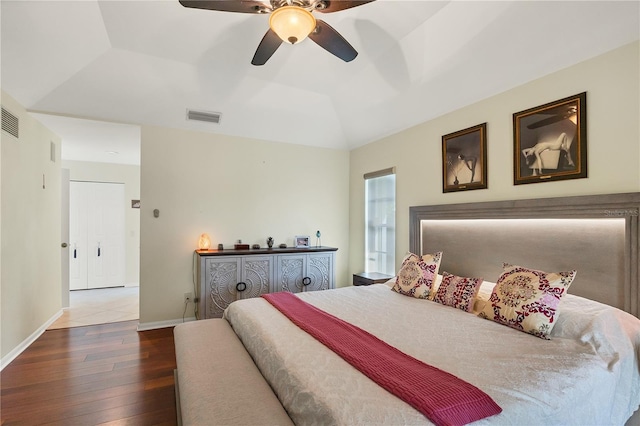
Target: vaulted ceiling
147,62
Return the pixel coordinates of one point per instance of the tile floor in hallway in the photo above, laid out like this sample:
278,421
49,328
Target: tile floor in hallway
99,306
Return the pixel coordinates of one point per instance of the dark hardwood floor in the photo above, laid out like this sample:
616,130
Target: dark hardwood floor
102,374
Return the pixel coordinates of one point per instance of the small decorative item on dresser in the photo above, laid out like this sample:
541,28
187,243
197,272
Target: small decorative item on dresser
220,246
270,242
318,242
240,246
204,242
255,246
283,245
368,278
301,241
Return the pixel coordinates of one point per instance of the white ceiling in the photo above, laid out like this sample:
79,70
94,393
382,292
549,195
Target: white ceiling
146,62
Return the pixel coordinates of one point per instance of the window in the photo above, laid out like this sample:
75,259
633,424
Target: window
380,221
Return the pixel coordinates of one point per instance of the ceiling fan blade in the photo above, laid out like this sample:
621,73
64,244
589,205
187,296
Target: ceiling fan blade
269,44
241,6
330,40
336,5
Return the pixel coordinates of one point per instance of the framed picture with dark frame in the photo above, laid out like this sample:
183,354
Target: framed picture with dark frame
550,141
464,159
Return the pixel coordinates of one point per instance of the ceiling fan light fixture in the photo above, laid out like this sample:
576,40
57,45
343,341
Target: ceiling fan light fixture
292,23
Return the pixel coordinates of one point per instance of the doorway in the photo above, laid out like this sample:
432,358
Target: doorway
103,250
101,152
100,290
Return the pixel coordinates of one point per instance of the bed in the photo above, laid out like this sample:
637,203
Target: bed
585,370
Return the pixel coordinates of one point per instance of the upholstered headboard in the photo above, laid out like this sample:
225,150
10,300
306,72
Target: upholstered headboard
597,235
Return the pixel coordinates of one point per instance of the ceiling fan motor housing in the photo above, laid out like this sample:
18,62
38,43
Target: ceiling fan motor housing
305,4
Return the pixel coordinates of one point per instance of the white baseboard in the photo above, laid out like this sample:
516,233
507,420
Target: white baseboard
144,326
6,360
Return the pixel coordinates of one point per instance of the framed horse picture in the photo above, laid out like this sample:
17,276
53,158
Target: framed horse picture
550,141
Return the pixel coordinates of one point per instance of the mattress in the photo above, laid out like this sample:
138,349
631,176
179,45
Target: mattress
586,374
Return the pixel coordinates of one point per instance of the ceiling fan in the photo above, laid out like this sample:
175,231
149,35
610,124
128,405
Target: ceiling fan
291,22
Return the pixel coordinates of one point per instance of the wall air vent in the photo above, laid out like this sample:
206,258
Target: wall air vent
10,123
210,117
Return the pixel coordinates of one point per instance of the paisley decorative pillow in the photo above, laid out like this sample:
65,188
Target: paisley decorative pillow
527,299
417,274
458,292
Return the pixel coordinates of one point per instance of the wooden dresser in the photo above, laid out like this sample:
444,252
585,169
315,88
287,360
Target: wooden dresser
228,275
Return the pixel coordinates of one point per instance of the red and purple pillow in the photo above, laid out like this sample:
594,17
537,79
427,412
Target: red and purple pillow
458,292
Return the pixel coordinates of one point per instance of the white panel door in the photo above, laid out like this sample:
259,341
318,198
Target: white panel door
77,236
99,212
105,235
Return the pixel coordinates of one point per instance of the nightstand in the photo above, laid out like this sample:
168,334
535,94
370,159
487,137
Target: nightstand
368,278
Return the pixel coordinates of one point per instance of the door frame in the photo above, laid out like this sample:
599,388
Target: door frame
64,236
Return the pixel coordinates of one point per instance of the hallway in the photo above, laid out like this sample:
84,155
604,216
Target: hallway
99,306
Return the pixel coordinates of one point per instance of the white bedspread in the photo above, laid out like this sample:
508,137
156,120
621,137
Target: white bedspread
587,374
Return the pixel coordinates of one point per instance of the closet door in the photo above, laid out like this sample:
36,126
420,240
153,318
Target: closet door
105,235
77,236
96,235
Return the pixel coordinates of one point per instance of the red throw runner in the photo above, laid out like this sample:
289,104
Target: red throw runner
442,397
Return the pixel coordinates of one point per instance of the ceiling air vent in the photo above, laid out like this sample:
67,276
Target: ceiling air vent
10,123
210,117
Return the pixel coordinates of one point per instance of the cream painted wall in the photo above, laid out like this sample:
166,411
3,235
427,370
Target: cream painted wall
613,92
130,176
30,223
231,188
